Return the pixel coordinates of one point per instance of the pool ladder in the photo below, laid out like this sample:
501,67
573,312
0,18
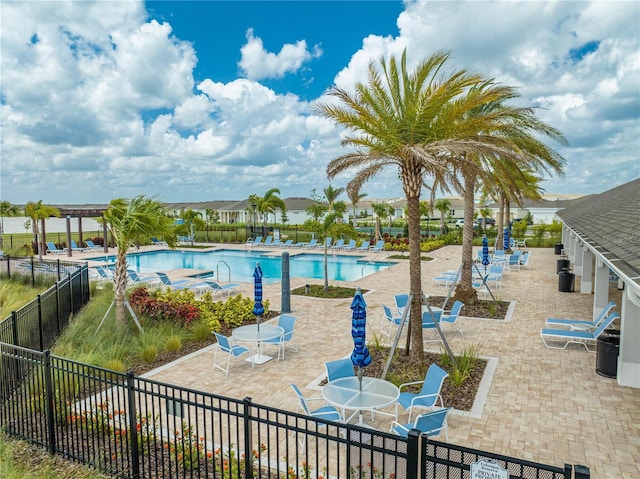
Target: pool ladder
371,261
218,269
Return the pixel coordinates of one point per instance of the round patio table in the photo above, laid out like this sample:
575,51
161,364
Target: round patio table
372,394
254,333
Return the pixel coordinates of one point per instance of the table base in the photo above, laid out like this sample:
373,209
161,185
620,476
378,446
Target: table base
259,358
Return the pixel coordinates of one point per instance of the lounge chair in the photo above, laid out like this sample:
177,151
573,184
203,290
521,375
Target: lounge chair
313,243
351,246
338,244
228,347
224,290
581,324
430,424
155,241
379,246
556,338
286,322
267,241
254,242
75,247
135,278
428,396
364,246
286,244
104,274
276,242
327,242
179,284
52,248
92,246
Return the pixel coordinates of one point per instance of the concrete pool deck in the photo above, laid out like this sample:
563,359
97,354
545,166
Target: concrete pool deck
543,405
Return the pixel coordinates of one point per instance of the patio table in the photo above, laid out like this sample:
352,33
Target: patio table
254,333
375,393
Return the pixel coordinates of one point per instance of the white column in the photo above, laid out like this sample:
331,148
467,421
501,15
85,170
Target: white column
586,280
629,359
601,288
577,261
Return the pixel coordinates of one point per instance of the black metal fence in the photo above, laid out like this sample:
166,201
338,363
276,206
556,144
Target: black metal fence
36,325
34,271
134,427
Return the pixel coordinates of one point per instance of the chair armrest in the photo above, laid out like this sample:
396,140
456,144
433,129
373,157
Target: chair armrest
409,384
395,424
437,396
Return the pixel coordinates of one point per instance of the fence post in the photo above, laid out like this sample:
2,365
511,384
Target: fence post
8,266
131,406
14,327
413,454
33,273
51,420
246,416
58,308
40,329
581,472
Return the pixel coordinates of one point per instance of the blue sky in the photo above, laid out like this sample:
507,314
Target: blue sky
195,101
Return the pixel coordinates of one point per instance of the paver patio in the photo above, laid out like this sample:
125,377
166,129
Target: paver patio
543,405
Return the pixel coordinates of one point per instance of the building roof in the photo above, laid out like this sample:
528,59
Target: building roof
610,223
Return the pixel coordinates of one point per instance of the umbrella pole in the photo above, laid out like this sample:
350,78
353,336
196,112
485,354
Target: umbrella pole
360,377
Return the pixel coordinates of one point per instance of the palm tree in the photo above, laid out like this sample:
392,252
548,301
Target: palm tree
267,204
443,206
131,222
353,192
412,121
192,223
38,212
327,227
381,210
513,134
331,194
6,209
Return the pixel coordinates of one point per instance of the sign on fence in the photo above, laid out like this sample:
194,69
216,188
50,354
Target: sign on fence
488,469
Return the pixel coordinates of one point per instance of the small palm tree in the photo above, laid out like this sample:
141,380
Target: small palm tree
38,212
268,203
443,206
131,222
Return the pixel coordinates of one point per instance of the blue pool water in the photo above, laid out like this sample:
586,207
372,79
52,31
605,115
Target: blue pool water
242,264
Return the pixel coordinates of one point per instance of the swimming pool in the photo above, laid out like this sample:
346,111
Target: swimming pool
242,263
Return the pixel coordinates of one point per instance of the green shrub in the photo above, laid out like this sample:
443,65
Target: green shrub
201,330
149,353
173,343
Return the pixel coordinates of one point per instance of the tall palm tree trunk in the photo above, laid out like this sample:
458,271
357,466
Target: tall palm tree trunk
120,279
414,336
464,290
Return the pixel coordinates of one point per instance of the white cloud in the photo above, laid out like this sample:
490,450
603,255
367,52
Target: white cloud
258,64
98,102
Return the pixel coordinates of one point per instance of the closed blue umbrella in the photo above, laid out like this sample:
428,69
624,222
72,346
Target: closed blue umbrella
258,309
485,252
360,356
506,238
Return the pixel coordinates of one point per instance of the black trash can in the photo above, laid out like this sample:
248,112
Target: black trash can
563,264
566,280
558,248
607,351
